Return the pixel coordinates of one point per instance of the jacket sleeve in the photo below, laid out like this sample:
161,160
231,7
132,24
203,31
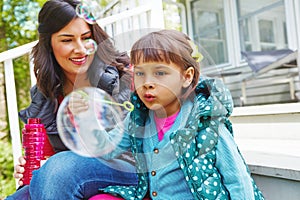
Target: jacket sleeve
37,108
232,167
44,108
119,87
109,80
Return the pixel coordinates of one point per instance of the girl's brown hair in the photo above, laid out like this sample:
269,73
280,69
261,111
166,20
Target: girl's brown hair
166,46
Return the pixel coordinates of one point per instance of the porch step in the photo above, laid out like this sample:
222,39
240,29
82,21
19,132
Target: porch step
274,154
274,165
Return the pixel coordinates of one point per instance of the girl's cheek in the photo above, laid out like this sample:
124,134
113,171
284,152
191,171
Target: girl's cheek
137,84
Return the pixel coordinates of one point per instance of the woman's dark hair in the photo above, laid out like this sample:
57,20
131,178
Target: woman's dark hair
167,46
55,15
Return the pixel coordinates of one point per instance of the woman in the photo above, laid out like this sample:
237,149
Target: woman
62,65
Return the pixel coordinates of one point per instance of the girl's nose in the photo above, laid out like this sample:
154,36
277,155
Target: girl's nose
149,85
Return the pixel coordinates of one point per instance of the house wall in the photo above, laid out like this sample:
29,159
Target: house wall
274,86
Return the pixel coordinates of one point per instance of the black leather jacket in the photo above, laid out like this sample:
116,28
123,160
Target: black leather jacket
106,78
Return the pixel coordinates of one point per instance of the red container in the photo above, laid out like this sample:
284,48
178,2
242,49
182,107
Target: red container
34,121
37,147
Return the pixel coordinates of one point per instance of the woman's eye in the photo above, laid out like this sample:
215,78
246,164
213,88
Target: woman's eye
66,40
87,38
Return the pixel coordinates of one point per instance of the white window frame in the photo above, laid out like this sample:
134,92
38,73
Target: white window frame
235,60
224,39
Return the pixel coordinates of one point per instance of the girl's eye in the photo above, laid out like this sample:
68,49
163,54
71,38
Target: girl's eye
160,73
139,73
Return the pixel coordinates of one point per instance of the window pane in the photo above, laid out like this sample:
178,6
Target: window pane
257,22
209,28
266,31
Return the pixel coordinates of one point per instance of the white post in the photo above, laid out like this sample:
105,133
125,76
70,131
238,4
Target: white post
297,16
157,14
31,68
12,108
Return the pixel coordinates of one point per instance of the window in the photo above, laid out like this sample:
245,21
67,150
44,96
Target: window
229,28
262,24
209,28
266,34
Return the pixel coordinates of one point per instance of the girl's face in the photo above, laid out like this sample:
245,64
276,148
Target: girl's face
69,48
160,85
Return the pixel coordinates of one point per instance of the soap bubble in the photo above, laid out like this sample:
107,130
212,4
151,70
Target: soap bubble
86,131
90,11
90,46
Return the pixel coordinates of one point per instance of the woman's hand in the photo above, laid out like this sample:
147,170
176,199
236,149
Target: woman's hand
19,170
78,103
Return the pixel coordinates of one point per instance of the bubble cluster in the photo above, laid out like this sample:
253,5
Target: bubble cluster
90,11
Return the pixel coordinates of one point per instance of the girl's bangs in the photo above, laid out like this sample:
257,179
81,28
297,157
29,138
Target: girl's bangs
149,55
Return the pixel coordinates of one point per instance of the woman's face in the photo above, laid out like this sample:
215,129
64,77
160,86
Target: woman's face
68,47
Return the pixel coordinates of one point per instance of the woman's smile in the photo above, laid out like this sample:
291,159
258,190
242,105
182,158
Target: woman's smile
79,60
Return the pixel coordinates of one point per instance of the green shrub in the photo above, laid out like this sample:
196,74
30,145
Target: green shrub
7,182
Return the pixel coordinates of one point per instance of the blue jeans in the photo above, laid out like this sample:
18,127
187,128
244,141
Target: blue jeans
67,175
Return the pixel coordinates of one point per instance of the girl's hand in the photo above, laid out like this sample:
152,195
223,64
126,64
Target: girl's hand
19,170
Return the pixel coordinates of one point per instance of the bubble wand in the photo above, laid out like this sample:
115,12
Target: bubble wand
126,104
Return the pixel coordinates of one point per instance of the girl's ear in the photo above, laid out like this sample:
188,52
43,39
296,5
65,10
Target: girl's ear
188,76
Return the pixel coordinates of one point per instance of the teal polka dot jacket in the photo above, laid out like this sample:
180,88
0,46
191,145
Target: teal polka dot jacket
195,146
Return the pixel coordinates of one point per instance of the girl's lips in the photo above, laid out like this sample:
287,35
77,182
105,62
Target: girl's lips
149,97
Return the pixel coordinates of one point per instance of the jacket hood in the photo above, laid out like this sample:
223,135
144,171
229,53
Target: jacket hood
213,97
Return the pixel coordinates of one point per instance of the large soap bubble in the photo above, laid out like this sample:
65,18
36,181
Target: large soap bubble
87,130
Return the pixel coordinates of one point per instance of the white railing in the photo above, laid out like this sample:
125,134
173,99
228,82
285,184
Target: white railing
7,58
143,17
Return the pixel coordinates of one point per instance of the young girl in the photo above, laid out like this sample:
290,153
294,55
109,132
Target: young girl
179,131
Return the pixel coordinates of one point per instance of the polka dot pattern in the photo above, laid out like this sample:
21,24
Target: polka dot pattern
194,146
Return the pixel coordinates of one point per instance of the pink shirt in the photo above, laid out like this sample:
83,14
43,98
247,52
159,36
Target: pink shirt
164,124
